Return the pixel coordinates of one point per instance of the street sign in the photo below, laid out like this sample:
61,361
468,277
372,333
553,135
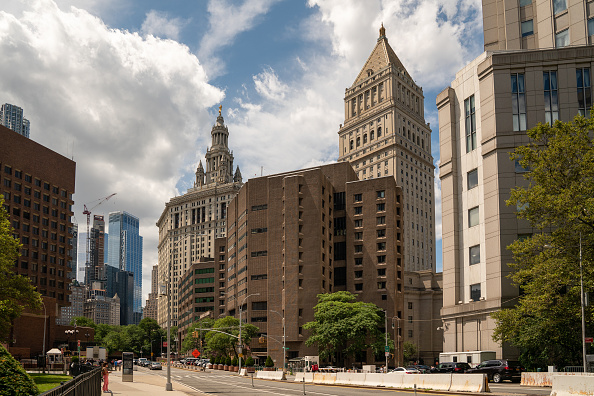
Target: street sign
240,355
79,343
195,353
387,353
387,349
589,340
164,344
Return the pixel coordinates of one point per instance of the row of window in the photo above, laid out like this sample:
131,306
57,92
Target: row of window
29,179
551,105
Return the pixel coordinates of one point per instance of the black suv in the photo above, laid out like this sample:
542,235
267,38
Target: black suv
499,370
451,367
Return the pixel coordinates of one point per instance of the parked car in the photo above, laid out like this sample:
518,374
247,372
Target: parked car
451,367
405,370
142,361
155,366
499,370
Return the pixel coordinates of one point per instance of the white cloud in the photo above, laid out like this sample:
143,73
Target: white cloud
269,86
226,22
128,109
158,24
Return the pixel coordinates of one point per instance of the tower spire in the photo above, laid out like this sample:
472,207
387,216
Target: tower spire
382,33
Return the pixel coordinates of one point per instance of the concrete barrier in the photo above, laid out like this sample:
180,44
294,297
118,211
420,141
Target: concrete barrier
394,380
469,383
324,378
569,385
544,379
374,379
350,378
440,382
300,376
273,375
243,373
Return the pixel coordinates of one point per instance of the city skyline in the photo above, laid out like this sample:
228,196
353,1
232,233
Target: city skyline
279,69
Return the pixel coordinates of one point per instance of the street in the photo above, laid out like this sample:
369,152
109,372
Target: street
223,383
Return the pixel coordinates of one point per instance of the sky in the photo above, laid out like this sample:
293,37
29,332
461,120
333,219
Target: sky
130,89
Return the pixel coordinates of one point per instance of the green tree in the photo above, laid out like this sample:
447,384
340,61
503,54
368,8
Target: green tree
152,332
409,351
344,326
16,292
83,322
223,344
558,202
190,342
14,380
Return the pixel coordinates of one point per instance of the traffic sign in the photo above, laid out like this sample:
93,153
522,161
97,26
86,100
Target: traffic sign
79,343
590,340
387,349
195,353
240,355
387,353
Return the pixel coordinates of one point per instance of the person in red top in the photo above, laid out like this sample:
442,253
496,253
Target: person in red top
105,374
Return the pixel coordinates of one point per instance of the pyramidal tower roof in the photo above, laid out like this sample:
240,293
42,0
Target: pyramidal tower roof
381,56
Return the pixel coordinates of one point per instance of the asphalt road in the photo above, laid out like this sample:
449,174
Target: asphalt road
222,383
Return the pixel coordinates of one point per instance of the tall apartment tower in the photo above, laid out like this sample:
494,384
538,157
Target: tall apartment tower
483,117
191,222
94,270
534,24
150,307
385,134
125,253
73,252
11,117
298,234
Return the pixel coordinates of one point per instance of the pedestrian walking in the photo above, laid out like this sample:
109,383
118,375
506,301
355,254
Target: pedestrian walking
105,374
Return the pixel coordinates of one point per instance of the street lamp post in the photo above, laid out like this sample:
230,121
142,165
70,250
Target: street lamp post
582,304
386,334
284,338
240,340
396,340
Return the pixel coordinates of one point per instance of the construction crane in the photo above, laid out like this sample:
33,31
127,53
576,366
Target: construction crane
88,213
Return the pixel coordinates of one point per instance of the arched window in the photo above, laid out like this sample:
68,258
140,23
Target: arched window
379,132
358,141
352,144
371,135
364,138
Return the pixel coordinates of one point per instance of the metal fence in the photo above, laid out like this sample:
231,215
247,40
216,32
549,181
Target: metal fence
85,384
573,369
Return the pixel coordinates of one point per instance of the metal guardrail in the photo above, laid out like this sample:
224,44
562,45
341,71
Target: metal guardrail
87,384
573,369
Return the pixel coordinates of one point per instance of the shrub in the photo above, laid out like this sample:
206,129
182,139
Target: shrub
228,361
14,380
269,362
212,360
234,361
249,362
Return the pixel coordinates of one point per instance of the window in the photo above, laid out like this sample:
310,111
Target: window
358,197
381,272
358,274
524,3
381,233
518,102
410,334
583,90
473,216
381,285
475,254
562,38
410,305
381,194
358,286
359,223
559,6
380,260
358,236
591,27
470,124
358,248
381,246
475,292
550,97
381,207
527,28
472,179
381,220
358,210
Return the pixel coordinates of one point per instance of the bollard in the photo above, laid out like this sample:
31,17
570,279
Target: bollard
252,380
304,384
415,389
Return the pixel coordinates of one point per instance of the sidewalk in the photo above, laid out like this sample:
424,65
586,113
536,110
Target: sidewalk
145,384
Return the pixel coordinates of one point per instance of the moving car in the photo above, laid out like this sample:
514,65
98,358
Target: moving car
451,367
405,370
142,362
499,370
422,368
155,366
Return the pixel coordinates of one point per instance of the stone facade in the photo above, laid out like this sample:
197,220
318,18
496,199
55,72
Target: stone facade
190,224
483,117
385,134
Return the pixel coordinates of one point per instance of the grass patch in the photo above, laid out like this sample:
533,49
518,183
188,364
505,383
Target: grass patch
47,382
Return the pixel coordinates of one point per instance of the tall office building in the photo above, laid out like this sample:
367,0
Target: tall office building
121,283
125,252
483,117
11,117
94,269
385,134
73,252
190,223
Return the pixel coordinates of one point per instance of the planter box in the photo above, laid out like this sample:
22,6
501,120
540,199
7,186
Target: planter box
269,369
209,366
226,368
251,369
234,369
220,367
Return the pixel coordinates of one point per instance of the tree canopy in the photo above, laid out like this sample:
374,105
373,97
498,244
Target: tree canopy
344,327
223,344
16,291
558,202
189,343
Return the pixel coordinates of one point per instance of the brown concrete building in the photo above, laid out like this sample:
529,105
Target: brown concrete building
385,134
151,307
294,235
37,185
202,289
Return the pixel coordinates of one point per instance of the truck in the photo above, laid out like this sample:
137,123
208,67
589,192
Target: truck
473,358
96,353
